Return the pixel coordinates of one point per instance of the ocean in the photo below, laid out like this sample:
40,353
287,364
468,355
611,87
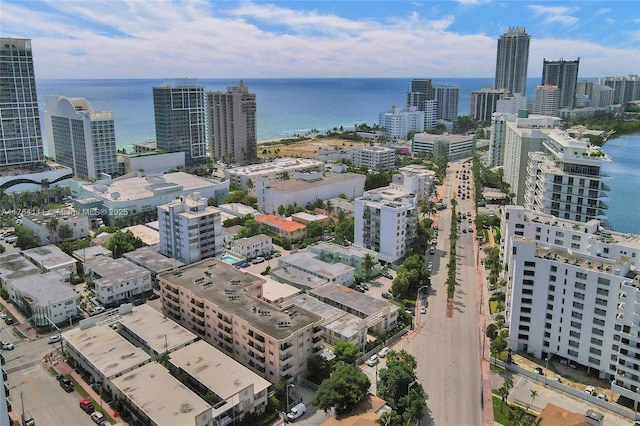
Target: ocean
286,107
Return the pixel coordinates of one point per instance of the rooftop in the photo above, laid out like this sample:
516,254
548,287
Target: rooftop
148,235
152,260
274,291
224,376
563,255
296,277
45,289
155,330
19,170
334,319
160,396
296,185
256,239
42,217
238,209
49,257
14,266
105,349
352,250
113,271
280,223
279,165
351,299
309,217
235,292
309,261
89,253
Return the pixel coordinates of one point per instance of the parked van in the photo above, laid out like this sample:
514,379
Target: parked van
11,240
372,361
27,420
296,412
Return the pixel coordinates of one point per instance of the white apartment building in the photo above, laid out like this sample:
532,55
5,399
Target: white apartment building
386,222
453,147
512,104
45,298
51,258
417,179
626,88
189,229
303,188
52,225
117,280
310,263
80,138
446,97
497,138
566,180
250,247
374,157
546,100
245,177
142,192
398,123
523,135
571,292
352,255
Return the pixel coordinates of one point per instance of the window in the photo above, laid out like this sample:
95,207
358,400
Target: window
577,315
574,334
581,275
597,332
574,344
593,360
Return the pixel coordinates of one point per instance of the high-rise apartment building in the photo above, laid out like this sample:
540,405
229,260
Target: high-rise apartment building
484,102
231,118
421,90
573,294
590,94
398,123
179,109
563,74
565,180
512,60
80,138
21,140
626,88
386,222
446,96
190,230
546,100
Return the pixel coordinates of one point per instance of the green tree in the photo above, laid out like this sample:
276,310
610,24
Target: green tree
315,230
65,232
491,331
367,264
123,242
498,346
346,352
398,386
319,368
344,389
281,210
250,228
52,224
26,238
344,231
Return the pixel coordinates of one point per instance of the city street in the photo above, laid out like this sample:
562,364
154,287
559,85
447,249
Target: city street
447,349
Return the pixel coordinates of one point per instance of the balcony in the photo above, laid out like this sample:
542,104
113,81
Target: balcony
285,346
317,339
286,356
285,367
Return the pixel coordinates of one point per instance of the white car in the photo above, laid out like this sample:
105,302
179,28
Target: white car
430,266
8,346
383,352
372,361
3,315
53,339
97,417
590,390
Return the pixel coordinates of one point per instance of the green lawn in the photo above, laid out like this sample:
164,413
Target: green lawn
500,417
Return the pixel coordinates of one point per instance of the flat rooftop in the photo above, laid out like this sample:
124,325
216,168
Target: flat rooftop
45,289
114,271
296,185
14,266
272,291
64,214
229,288
224,376
160,396
148,235
309,217
154,329
564,255
279,165
296,277
352,250
310,262
105,349
49,257
351,299
153,260
334,319
91,253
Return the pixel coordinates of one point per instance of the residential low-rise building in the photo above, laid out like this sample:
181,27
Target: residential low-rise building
352,255
90,253
147,234
14,266
223,306
282,228
238,210
307,218
51,258
309,262
117,280
153,261
415,178
452,147
250,247
229,234
53,226
245,177
45,298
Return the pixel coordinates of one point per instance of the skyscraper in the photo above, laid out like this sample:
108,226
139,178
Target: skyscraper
446,96
563,74
484,102
180,119
546,101
79,138
21,140
231,122
421,90
511,61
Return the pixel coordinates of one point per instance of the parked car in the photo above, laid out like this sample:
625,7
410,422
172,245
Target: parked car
383,352
97,310
257,260
3,315
360,288
372,361
590,390
65,383
8,321
603,397
8,346
244,264
538,370
97,417
154,296
386,295
423,310
53,339
387,275
86,406
557,379
430,266
139,302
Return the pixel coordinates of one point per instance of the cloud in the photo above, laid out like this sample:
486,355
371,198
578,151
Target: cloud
473,2
602,11
555,14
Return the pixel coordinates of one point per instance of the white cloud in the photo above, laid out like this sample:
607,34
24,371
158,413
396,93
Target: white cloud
555,14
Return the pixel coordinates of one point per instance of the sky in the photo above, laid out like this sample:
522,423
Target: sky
288,39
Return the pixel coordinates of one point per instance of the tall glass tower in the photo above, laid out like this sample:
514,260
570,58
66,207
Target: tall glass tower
563,74
511,61
20,134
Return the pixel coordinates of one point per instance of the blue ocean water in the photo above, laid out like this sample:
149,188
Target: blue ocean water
294,106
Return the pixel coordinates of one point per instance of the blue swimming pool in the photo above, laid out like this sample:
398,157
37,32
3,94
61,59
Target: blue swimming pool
230,259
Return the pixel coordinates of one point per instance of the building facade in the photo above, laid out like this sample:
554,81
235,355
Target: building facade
53,226
446,97
452,147
563,74
420,91
512,59
484,102
250,247
625,88
46,298
415,178
179,109
546,101
386,222
21,141
80,138
380,158
566,179
189,229
232,128
572,289
398,123
117,280
245,177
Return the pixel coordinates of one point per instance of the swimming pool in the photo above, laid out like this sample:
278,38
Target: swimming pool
231,259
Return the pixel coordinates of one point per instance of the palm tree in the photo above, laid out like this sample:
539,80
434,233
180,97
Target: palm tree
342,216
534,395
52,224
328,206
367,264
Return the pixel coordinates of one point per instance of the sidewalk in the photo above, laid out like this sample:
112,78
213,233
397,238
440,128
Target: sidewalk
63,368
23,327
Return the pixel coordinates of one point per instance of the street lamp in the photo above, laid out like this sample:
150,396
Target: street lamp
287,392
